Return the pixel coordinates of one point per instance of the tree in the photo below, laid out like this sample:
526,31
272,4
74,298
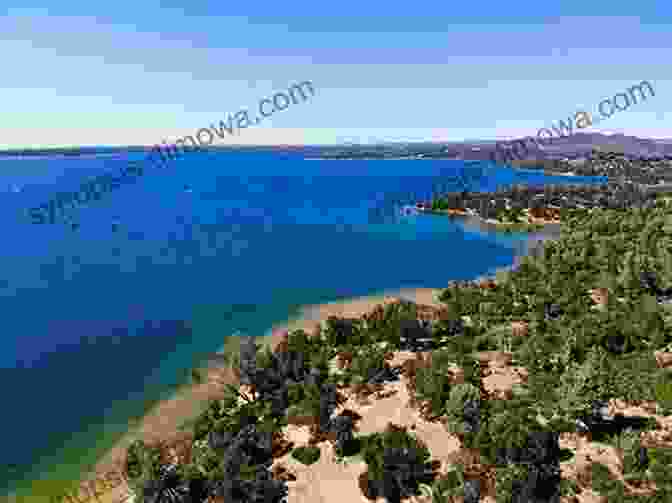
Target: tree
248,359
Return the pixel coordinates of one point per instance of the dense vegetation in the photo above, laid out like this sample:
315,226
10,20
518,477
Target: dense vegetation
578,354
648,171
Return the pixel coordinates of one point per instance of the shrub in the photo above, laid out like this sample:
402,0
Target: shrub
206,420
383,324
544,352
604,484
249,484
304,399
397,463
298,341
168,485
448,327
142,460
415,335
505,481
663,391
569,487
451,485
248,359
522,483
204,460
433,388
343,427
149,479
264,358
433,384
366,363
306,454
635,457
508,425
460,417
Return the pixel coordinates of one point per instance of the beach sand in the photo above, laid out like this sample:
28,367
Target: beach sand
164,420
328,481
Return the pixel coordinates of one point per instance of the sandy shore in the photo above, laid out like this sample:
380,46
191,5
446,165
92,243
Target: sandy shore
312,315
331,482
163,421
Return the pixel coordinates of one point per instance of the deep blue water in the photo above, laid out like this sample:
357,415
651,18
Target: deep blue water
98,322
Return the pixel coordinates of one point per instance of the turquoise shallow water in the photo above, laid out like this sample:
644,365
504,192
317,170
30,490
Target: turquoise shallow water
99,324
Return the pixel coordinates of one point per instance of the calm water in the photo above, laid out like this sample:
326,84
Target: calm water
99,323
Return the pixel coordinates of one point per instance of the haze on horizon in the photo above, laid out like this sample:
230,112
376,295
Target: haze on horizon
142,73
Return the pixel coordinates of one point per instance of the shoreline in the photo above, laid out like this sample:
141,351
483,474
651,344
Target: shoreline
163,420
308,317
531,227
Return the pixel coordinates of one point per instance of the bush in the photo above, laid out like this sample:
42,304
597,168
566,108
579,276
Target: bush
366,363
451,485
459,409
527,483
306,454
248,358
635,457
508,425
415,335
343,427
569,487
397,463
204,460
342,331
660,460
604,484
206,420
433,385
544,353
663,391
250,484
138,458
505,481
149,479
448,328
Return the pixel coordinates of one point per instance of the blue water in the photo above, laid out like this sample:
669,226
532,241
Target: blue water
97,322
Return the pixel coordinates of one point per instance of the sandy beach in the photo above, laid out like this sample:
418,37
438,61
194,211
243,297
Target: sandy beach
163,421
329,481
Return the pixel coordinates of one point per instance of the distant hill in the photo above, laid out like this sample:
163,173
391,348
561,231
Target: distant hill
576,145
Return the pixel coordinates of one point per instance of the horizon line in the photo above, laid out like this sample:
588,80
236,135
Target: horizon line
341,144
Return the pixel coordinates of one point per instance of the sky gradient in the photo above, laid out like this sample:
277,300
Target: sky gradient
139,73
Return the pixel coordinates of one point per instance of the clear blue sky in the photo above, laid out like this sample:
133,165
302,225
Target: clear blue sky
122,72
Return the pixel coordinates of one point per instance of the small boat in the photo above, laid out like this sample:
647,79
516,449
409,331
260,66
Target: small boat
409,210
